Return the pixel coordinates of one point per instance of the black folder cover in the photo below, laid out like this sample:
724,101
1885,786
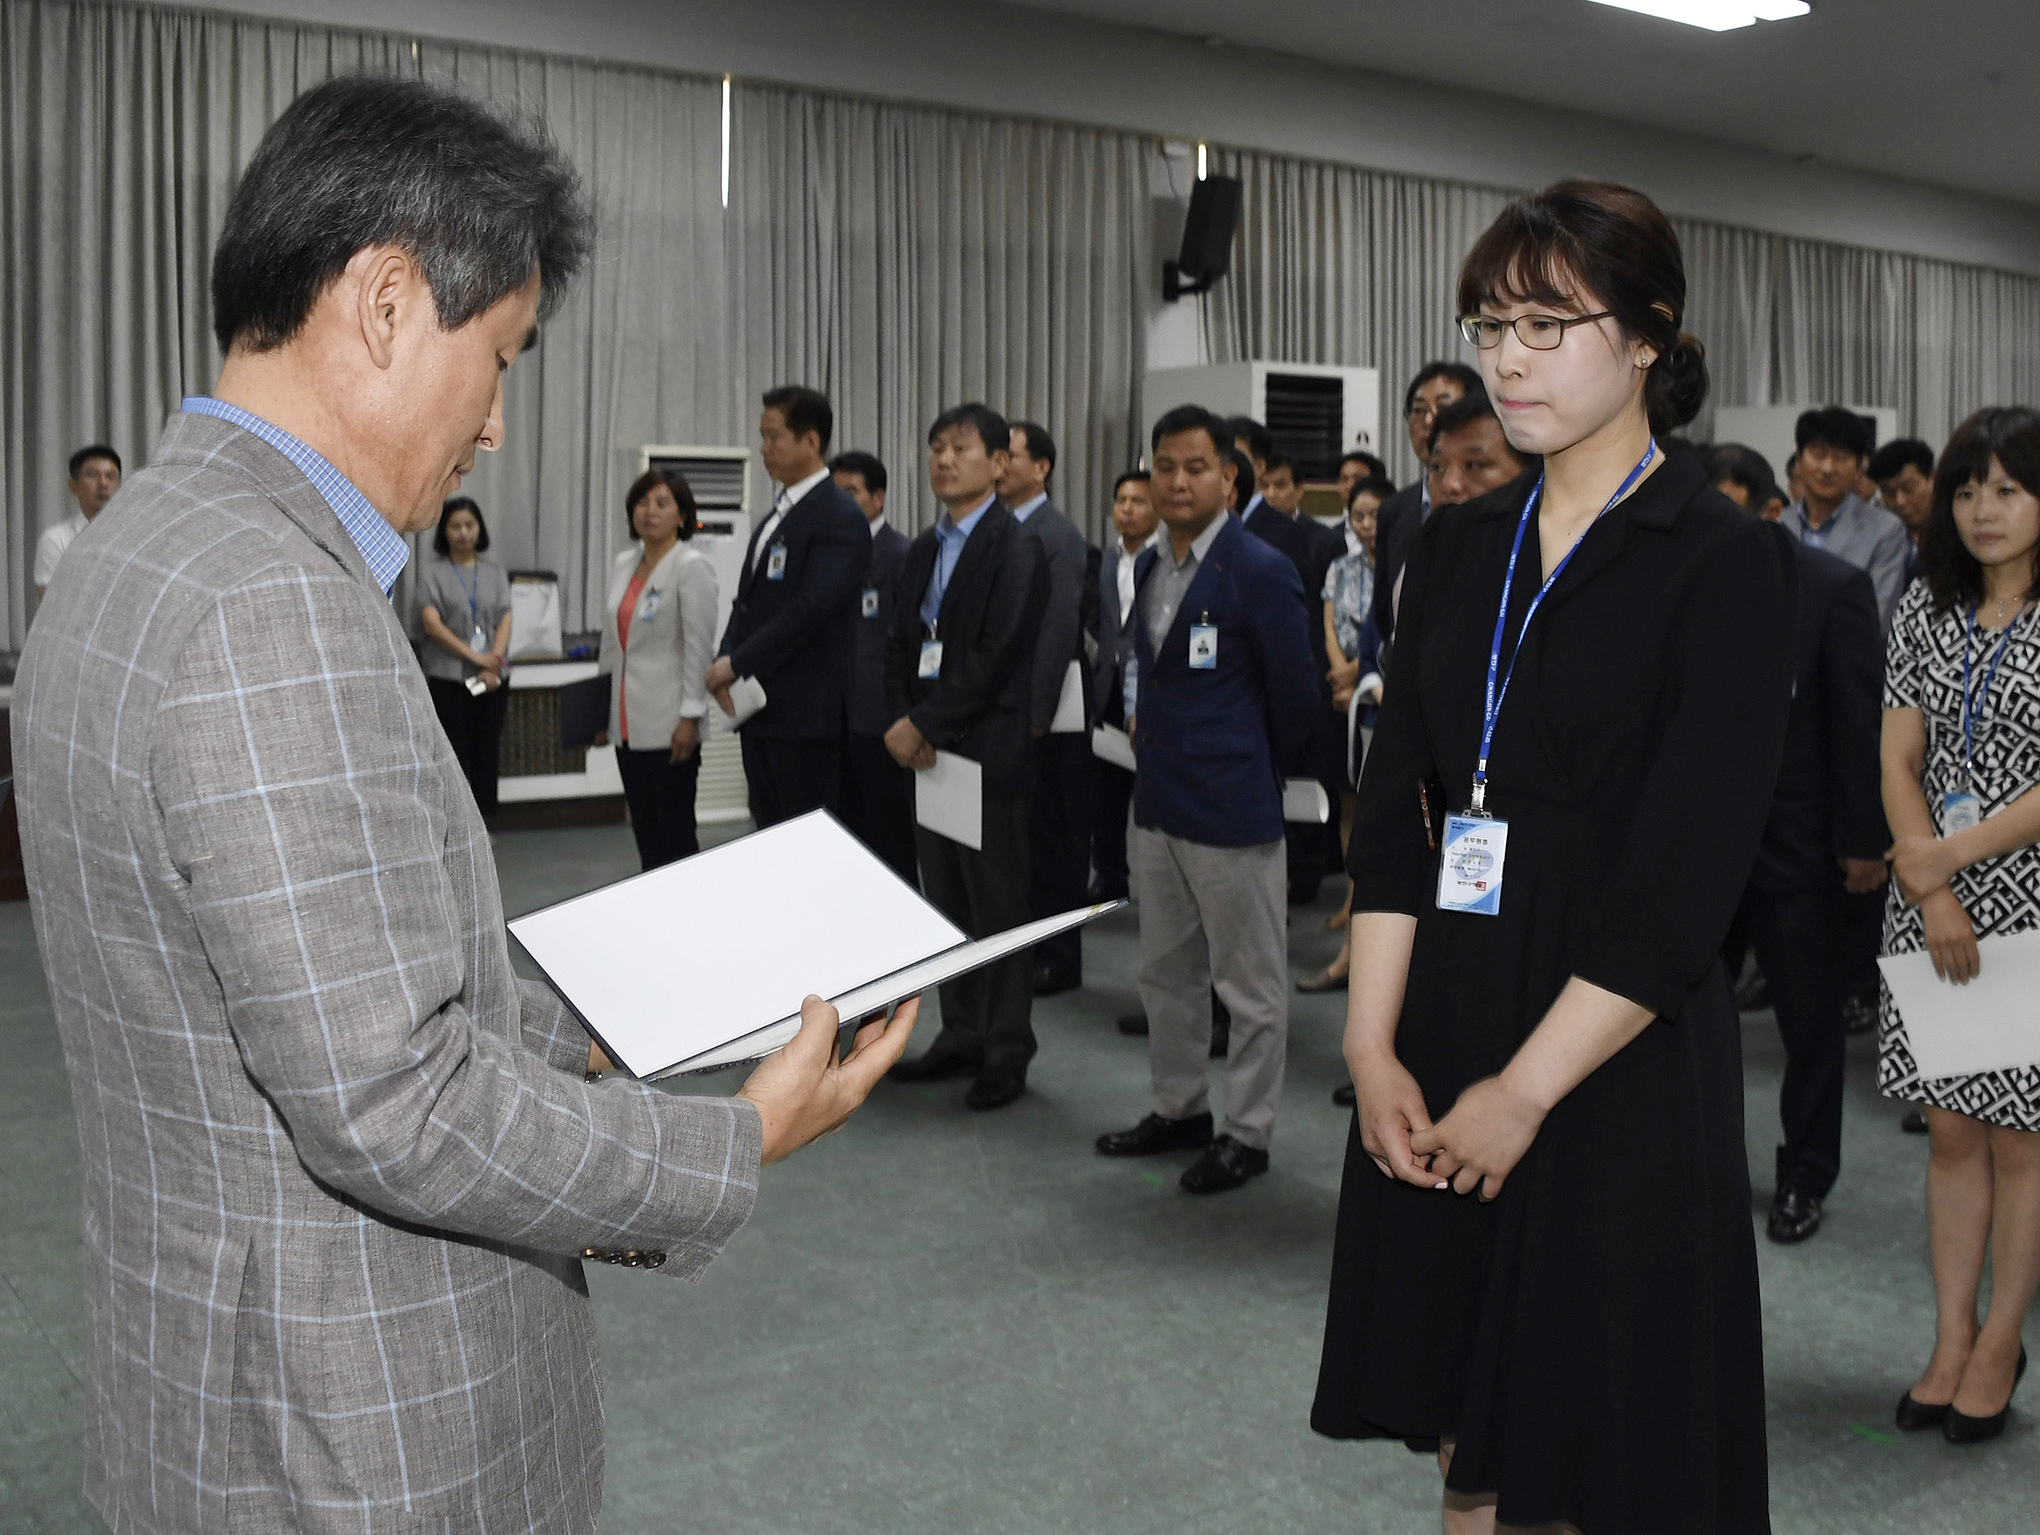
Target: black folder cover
584,711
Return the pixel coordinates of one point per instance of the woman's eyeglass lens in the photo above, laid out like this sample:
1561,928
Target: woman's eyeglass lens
1539,332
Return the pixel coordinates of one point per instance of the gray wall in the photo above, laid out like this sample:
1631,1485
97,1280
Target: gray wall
1001,58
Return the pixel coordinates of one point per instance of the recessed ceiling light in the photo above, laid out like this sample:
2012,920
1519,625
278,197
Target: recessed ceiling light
1715,15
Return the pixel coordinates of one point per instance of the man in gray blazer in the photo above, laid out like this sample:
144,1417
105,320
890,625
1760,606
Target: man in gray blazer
1059,811
341,1167
1833,445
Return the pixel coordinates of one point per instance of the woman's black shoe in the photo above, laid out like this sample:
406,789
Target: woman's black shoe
1960,1428
1913,1415
1345,1097
1915,1122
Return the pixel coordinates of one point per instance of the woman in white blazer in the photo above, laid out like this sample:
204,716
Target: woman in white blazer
658,638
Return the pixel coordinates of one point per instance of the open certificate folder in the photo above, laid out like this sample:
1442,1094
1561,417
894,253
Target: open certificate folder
706,961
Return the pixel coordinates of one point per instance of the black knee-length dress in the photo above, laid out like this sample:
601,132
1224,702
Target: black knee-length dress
1592,1338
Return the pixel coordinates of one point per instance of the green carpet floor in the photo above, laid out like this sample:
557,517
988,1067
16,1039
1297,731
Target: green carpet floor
940,1321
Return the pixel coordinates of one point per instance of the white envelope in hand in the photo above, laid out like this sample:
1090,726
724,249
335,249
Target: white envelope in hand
949,799
748,695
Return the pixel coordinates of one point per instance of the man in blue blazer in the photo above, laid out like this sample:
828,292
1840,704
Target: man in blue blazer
793,625
878,794
1225,699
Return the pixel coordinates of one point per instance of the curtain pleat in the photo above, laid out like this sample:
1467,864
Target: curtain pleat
901,258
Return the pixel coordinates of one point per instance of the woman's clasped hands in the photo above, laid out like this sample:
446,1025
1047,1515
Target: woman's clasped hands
1473,1149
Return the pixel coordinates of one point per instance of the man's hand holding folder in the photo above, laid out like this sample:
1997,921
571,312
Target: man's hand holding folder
804,1092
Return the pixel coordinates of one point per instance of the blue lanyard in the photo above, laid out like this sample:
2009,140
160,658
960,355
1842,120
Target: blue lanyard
1494,665
1969,715
474,594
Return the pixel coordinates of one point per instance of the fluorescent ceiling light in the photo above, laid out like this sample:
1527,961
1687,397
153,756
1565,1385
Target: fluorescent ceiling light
1715,15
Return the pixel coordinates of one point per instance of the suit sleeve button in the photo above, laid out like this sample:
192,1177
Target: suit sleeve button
653,1260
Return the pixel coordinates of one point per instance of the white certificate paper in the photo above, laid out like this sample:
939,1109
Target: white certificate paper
1991,1024
949,799
1069,704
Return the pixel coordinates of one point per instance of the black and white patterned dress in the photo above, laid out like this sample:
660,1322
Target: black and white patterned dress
1923,670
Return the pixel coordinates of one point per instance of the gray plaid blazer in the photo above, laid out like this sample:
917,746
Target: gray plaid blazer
340,1165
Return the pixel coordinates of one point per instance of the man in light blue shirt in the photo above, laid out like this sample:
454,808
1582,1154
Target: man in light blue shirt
1833,445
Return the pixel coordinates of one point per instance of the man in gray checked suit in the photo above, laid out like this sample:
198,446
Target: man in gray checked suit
341,1168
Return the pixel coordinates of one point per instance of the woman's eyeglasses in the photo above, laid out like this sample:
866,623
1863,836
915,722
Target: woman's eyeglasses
1539,332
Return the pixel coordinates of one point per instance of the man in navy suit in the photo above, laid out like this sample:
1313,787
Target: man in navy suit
793,625
1225,698
958,665
878,794
1059,810
1133,519
1825,837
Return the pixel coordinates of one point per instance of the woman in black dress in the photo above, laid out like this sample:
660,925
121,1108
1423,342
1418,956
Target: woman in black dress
1545,1266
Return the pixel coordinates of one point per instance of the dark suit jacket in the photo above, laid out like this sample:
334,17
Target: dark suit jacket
1828,801
798,635
1321,547
1115,643
1278,532
1395,534
977,706
869,715
1213,744
1061,639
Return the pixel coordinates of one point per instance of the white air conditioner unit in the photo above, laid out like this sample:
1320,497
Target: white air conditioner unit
1316,413
721,481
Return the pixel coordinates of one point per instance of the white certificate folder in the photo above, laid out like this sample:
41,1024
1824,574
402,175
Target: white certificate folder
705,962
1990,1024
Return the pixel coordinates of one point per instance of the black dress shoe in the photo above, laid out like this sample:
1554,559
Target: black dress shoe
935,1064
1795,1216
995,1087
1960,1428
1133,1023
1915,1122
1051,978
1155,1134
1226,1165
1345,1097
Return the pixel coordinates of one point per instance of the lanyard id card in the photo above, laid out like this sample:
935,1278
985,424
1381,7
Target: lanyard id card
868,606
931,660
1204,647
775,563
478,638
649,607
1959,812
1963,808
1470,865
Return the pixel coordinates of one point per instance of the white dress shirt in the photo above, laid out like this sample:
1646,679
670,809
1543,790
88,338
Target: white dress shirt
49,549
1027,509
786,498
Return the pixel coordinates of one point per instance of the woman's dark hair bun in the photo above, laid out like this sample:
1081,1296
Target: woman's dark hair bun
1677,386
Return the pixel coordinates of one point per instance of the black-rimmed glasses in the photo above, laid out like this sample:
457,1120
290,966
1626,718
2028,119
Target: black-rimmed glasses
1539,332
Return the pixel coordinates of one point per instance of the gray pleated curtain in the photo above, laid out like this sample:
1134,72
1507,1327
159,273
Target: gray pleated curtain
1341,265
901,258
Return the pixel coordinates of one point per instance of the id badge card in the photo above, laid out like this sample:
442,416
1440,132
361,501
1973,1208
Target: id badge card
1959,812
478,639
869,606
649,608
1204,647
775,563
931,659
1470,864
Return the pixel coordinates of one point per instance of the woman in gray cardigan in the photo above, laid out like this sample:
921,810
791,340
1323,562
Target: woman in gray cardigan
658,638
463,607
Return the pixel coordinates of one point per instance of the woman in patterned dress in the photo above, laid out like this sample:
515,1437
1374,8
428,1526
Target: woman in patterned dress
1966,819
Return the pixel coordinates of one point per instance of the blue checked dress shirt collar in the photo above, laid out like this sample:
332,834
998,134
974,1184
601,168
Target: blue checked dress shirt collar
949,541
380,544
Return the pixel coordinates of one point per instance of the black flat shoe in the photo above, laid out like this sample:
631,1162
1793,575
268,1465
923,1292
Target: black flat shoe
1915,1122
935,1065
1052,980
995,1087
1155,1134
1345,1097
1135,1024
1960,1428
1227,1165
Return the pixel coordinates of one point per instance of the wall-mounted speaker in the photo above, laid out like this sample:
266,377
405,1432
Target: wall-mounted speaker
1208,233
